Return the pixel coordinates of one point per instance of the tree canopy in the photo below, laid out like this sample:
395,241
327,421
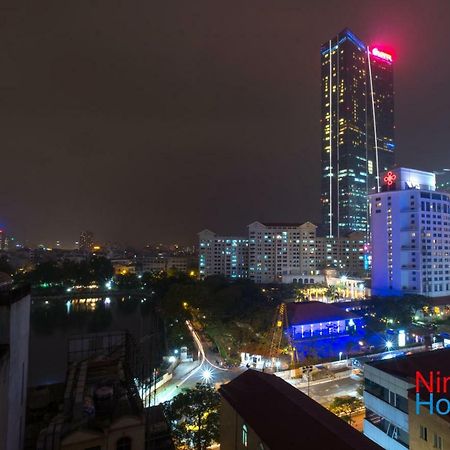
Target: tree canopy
194,417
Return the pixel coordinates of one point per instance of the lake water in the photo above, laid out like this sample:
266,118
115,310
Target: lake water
54,321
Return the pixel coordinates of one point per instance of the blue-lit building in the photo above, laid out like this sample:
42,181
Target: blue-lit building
410,226
222,255
317,319
357,122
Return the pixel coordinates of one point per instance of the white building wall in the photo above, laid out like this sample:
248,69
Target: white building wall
411,237
223,255
384,409
382,439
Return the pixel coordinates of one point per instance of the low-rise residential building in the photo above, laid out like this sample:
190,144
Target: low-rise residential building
163,262
260,411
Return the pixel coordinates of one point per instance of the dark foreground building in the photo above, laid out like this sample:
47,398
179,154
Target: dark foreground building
260,411
357,121
14,347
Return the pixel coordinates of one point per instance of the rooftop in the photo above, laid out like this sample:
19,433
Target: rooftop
304,313
284,417
405,367
282,224
98,392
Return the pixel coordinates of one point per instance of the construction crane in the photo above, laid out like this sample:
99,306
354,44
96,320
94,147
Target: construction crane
280,323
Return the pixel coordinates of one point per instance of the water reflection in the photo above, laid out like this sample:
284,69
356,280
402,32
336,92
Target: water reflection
54,320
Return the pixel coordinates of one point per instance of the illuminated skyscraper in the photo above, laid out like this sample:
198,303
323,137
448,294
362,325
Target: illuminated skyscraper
86,242
357,87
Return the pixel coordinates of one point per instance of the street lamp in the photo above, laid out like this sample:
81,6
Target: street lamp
389,345
207,376
340,355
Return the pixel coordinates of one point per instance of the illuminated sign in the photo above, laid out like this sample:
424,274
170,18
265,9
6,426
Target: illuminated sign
390,178
381,55
401,338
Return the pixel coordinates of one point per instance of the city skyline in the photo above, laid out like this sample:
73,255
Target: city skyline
357,121
196,108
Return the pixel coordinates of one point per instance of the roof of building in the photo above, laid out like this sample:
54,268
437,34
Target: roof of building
304,313
282,224
439,301
98,392
284,417
405,367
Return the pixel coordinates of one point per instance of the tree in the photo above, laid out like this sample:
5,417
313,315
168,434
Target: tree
344,407
5,266
396,311
194,417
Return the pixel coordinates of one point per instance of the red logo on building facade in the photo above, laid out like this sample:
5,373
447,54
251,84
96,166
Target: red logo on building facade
390,178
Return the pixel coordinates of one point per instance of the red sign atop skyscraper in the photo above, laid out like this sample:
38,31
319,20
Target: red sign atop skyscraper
381,55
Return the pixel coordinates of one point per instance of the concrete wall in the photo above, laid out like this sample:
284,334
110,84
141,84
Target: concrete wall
18,376
127,426
4,384
382,439
231,431
434,423
14,374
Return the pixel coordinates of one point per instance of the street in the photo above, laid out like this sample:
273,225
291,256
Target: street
187,374
325,392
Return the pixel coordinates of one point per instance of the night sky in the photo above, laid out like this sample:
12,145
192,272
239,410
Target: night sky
149,121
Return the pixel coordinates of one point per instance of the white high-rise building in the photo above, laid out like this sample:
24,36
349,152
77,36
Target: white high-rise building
222,255
410,224
280,249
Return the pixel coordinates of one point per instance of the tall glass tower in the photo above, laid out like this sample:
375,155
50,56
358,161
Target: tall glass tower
357,121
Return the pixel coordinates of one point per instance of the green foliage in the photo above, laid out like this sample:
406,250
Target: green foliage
344,407
127,281
96,269
392,312
194,417
5,266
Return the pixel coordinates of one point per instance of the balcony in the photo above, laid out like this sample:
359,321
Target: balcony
409,247
381,438
409,210
409,267
386,410
410,228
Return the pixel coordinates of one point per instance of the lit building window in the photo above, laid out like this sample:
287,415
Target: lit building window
244,435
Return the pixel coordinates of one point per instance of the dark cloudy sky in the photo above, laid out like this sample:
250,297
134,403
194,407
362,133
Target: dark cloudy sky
149,121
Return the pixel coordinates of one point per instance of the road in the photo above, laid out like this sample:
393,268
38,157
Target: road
187,375
324,393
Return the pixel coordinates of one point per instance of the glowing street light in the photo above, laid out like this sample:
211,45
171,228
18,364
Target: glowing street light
207,376
389,345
